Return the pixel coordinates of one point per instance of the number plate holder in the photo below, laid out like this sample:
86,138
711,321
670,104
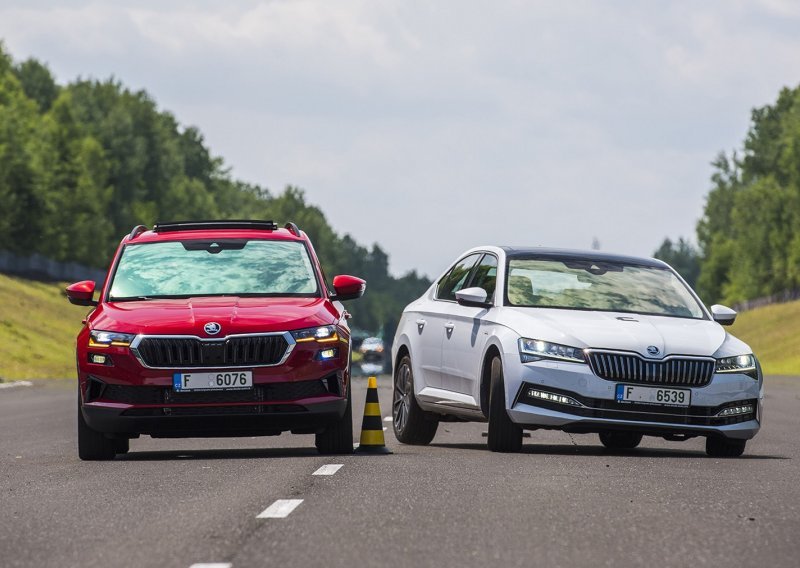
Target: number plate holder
661,396
212,381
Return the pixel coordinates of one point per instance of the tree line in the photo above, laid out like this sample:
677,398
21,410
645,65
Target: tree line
749,235
83,163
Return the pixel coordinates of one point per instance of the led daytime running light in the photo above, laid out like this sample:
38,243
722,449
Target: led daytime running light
530,349
100,339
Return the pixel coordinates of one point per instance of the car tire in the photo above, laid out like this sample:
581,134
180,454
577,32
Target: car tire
620,440
93,445
122,445
338,437
724,447
411,424
504,435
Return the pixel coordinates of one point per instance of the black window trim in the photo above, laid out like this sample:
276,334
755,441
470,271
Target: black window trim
528,256
319,293
470,276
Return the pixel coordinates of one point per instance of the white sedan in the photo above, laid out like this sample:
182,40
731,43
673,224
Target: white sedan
585,342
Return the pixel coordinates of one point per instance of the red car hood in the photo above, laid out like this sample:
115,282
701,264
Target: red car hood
234,315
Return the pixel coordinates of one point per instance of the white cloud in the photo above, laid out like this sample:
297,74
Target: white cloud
430,127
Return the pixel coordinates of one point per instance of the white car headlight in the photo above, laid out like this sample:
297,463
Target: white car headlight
745,364
535,349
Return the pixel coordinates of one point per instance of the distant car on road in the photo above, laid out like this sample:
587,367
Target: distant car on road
214,328
584,342
371,350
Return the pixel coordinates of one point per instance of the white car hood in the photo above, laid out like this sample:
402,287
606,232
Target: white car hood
620,331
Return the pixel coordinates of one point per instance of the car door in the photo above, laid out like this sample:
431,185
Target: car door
433,316
465,333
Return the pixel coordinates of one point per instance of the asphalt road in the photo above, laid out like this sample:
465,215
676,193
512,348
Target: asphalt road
564,501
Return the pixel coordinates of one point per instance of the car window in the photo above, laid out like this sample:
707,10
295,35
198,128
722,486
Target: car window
224,267
600,285
486,275
454,280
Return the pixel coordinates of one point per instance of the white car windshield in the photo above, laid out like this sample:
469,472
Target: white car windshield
586,284
226,267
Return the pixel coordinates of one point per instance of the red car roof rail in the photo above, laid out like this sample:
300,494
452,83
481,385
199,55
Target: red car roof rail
203,225
136,231
294,229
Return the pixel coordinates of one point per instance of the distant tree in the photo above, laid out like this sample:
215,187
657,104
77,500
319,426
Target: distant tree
37,82
81,164
749,234
681,256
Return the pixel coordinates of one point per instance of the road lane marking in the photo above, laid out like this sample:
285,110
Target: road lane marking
13,384
280,509
387,419
385,428
211,565
328,469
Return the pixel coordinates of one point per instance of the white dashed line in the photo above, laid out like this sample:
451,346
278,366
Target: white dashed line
280,509
13,384
385,428
212,565
328,469
387,419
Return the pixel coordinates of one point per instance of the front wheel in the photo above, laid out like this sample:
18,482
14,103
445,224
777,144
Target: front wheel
338,437
411,424
724,447
504,435
93,445
616,440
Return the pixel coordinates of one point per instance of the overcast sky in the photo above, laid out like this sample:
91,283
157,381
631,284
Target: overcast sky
430,127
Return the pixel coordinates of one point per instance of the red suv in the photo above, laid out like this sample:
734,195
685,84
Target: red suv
214,328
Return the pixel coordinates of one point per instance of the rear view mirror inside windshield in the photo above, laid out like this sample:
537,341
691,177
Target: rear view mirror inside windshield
214,247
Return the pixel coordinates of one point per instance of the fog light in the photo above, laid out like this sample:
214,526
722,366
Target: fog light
99,359
552,397
326,354
735,410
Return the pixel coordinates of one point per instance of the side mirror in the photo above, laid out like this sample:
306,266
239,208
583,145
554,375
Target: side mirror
474,297
82,293
723,315
347,288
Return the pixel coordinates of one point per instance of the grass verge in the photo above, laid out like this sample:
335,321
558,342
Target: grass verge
37,330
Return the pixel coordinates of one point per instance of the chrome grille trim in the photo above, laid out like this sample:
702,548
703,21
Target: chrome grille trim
683,370
180,346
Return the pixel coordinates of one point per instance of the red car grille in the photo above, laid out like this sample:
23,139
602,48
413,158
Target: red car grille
232,352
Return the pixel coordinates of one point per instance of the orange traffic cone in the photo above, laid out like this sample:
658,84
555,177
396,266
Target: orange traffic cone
372,441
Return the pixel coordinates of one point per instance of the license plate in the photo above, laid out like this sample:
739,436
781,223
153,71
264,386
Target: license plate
654,395
222,380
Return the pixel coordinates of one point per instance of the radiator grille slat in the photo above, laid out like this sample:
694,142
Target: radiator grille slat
232,352
635,369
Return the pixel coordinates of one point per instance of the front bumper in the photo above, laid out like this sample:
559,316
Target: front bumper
598,410
214,421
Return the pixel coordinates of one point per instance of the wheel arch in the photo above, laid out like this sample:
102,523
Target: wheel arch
492,350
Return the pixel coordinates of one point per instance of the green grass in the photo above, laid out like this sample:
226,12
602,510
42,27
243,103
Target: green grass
37,330
774,334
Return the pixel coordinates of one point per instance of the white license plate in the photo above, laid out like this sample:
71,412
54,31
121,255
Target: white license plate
654,395
217,380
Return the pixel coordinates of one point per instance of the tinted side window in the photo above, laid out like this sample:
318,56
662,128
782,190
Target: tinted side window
486,275
454,280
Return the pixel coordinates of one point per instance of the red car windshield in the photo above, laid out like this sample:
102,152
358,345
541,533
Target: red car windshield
226,267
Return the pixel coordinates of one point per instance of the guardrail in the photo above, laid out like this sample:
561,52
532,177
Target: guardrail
42,268
778,298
